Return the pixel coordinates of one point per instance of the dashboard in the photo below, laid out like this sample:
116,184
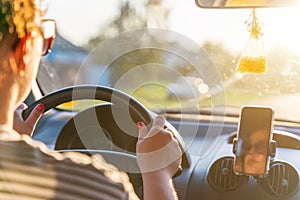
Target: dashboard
211,175
208,167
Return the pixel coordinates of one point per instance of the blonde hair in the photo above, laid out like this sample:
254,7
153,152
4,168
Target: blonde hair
19,17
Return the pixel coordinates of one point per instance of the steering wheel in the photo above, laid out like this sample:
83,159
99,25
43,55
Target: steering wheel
118,116
120,106
90,92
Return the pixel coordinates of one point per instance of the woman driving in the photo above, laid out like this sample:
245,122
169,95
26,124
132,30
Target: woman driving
28,169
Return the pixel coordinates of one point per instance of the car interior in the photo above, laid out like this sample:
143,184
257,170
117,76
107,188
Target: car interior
223,73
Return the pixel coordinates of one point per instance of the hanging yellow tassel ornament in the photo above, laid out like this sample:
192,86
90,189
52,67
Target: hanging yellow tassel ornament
253,59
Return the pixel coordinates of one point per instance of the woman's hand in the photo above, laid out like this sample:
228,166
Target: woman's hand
27,126
159,157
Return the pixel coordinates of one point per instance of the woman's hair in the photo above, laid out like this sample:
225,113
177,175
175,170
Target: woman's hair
19,17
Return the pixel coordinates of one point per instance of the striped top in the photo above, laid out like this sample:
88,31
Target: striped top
30,171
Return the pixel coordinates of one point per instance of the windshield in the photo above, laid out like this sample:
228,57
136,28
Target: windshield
172,55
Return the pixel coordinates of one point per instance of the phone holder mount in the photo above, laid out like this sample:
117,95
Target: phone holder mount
271,149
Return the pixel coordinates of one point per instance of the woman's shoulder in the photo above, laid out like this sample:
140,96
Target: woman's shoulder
73,172
8,134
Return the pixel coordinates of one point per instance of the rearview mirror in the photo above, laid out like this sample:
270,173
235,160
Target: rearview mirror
246,3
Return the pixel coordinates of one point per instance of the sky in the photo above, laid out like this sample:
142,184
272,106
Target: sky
226,26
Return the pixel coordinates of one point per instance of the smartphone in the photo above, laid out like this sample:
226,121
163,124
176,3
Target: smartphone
255,132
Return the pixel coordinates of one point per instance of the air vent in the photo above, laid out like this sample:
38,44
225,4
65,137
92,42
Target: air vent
282,180
221,176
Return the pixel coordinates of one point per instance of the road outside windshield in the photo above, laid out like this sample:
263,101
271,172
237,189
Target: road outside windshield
187,60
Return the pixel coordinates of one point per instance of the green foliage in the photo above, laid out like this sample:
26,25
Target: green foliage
128,19
279,69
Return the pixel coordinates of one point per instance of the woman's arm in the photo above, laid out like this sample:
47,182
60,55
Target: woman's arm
159,157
